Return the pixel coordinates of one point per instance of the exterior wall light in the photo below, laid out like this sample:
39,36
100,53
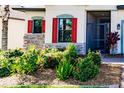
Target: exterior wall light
118,26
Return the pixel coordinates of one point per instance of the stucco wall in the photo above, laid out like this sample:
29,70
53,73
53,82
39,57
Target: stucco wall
15,33
116,17
30,14
16,29
0,32
100,7
76,11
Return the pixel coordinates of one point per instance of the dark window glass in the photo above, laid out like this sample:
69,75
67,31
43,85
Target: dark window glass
37,26
65,30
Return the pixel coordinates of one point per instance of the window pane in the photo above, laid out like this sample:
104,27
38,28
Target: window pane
65,30
68,24
67,36
61,24
37,26
60,39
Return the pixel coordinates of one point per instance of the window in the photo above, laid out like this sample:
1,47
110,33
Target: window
65,30
37,26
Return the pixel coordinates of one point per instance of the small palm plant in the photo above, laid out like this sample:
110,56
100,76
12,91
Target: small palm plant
112,39
64,69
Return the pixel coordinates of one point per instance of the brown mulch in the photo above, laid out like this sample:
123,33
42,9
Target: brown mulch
109,74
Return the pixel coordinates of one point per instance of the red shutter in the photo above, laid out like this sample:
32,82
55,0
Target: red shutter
74,30
54,30
43,26
29,26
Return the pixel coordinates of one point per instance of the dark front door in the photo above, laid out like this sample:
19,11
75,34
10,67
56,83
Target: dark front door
97,36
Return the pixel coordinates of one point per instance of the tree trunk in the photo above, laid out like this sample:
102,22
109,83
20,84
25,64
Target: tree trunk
4,35
5,18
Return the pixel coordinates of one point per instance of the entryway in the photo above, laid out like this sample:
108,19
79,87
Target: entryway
98,25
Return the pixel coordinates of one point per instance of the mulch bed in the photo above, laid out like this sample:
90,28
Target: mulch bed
109,74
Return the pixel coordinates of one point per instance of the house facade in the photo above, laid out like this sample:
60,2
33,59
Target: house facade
55,26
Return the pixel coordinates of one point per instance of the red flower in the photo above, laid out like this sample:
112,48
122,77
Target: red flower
112,38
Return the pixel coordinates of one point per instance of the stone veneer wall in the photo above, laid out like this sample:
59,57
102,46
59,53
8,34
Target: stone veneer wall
35,39
81,47
39,41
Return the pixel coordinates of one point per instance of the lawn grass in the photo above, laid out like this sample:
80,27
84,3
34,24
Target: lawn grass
54,86
40,86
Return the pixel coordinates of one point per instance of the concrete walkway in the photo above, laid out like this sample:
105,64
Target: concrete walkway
113,60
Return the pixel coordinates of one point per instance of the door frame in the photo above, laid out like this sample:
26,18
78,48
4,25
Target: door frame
121,37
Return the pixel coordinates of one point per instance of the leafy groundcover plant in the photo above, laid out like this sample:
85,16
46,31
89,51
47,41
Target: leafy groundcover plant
95,57
19,62
82,69
85,69
66,63
7,60
64,70
51,60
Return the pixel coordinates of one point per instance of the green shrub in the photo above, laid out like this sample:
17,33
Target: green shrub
28,62
2,54
49,50
61,49
4,72
70,53
64,70
16,61
85,69
51,60
95,57
52,50
6,66
72,50
13,53
25,65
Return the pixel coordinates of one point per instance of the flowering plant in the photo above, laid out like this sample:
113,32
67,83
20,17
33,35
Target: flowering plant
112,38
